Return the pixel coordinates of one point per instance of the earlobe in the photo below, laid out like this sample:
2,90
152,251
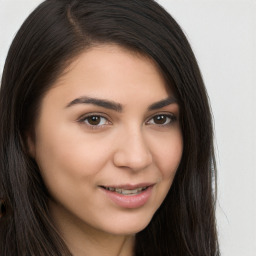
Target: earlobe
30,145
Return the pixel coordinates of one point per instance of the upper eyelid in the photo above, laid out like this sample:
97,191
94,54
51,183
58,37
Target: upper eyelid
109,119
165,113
82,120
100,114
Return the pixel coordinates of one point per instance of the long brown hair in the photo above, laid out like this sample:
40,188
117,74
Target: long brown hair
56,32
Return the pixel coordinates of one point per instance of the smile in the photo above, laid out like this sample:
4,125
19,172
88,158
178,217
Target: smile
129,196
126,191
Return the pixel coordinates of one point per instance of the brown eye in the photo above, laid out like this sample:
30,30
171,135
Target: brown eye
95,120
162,120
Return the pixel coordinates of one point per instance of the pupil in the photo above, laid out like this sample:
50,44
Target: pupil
94,120
160,119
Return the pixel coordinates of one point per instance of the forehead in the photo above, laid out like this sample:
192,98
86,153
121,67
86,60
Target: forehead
104,51
109,69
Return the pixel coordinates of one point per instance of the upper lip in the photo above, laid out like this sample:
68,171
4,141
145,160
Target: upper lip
129,186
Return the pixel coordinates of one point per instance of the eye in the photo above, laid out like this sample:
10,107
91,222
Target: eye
162,119
94,121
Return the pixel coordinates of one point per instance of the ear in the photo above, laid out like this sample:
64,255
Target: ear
30,144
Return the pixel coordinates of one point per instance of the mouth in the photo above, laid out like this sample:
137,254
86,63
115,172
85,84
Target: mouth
127,192
129,196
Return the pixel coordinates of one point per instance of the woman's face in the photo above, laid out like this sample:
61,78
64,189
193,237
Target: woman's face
108,142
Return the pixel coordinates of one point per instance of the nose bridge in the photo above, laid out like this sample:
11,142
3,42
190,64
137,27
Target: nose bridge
132,150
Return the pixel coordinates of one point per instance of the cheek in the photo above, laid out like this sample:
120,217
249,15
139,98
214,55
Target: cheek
68,151
167,155
69,163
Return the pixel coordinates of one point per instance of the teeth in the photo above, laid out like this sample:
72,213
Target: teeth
126,191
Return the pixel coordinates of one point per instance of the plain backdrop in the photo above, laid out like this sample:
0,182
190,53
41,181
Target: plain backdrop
223,36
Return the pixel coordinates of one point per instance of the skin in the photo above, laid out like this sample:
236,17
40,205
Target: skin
127,145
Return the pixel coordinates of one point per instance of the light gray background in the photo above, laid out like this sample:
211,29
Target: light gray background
223,36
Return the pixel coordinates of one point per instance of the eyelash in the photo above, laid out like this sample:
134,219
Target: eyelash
170,119
84,120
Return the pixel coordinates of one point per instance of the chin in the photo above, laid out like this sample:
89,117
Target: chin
128,226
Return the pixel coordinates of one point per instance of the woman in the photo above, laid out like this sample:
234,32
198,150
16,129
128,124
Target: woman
106,135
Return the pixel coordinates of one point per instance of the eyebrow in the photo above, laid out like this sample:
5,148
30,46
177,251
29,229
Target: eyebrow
117,106
162,103
98,102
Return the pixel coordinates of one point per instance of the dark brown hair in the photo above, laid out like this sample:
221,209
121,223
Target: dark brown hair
51,37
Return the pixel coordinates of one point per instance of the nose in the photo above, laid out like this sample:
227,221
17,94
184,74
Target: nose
132,151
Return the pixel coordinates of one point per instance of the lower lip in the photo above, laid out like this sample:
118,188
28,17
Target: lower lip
128,201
